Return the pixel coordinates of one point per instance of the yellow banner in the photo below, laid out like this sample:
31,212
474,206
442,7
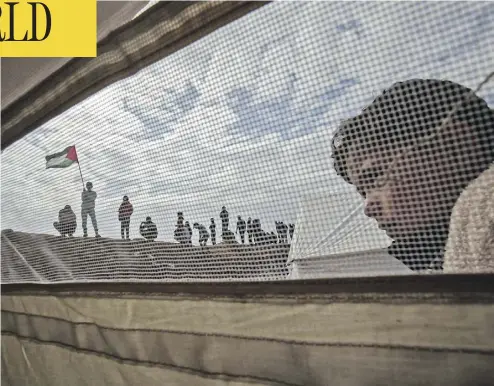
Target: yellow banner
48,28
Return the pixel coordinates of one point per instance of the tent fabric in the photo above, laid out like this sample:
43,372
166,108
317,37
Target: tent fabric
334,238
23,74
377,262
334,223
94,369
154,34
417,330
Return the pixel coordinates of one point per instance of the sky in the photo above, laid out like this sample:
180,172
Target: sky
243,117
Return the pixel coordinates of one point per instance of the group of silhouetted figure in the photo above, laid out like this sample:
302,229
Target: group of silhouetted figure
67,225
255,233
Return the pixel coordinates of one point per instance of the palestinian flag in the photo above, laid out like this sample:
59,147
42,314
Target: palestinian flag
63,159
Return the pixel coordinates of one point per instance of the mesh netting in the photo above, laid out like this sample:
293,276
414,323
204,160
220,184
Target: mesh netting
302,140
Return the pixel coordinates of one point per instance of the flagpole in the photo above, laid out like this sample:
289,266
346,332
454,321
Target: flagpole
80,171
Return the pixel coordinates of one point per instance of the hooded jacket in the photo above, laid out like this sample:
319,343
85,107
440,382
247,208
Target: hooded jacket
470,245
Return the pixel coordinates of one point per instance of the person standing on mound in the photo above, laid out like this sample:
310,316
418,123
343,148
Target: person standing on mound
124,212
88,205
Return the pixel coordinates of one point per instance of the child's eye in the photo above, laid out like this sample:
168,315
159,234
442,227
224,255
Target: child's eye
368,178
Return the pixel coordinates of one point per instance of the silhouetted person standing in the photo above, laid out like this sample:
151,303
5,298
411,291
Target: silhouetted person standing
124,212
67,222
212,230
284,232
181,232
203,234
292,230
224,219
257,230
241,228
278,230
87,208
250,230
148,229
188,233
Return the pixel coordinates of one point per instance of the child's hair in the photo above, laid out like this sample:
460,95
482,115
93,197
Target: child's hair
412,109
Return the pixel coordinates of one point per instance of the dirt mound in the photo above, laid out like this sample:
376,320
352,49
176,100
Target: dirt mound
30,257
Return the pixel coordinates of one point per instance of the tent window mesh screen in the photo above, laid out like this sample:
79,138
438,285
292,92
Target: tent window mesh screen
301,140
